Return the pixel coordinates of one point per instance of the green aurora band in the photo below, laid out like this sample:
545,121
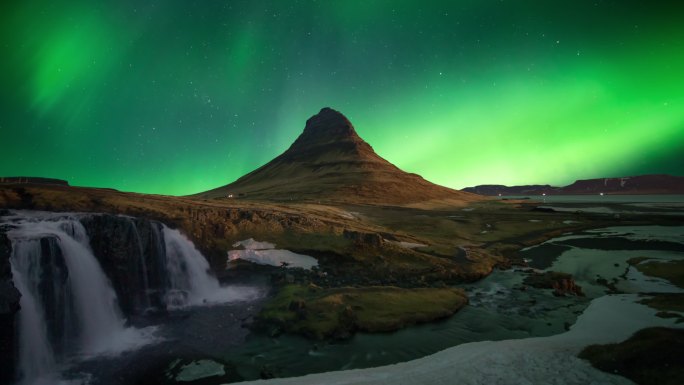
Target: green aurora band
177,97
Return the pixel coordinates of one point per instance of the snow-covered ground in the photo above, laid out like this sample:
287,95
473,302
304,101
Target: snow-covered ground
409,245
542,360
265,253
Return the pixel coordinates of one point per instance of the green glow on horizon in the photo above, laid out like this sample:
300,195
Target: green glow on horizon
175,98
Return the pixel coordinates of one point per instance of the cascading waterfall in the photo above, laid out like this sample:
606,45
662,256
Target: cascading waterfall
190,283
143,265
69,308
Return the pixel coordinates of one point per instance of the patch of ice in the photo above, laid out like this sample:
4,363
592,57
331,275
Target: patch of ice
200,369
251,244
410,245
541,360
274,257
347,214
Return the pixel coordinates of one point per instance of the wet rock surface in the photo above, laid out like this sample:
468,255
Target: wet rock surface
562,284
131,252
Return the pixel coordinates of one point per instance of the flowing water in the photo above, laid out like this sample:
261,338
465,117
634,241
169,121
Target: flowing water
69,308
499,309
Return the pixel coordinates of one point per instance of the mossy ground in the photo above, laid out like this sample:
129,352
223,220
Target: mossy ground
667,302
672,271
653,356
336,313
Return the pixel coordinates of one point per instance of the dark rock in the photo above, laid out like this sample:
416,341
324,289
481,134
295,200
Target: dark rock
297,305
364,239
267,372
561,283
131,251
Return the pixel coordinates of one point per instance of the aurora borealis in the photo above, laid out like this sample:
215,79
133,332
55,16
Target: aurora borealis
177,97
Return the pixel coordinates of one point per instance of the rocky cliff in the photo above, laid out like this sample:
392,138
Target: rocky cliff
131,252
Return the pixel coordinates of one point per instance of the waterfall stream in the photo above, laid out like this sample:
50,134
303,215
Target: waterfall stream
69,306
190,282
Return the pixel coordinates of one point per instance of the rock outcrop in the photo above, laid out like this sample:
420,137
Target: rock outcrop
131,252
562,284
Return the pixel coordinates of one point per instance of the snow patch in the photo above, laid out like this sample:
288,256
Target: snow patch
274,257
251,244
410,245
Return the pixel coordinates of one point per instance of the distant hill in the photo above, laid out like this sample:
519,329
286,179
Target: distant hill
631,185
330,162
31,180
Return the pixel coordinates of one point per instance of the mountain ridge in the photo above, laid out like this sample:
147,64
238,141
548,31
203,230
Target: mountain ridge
629,185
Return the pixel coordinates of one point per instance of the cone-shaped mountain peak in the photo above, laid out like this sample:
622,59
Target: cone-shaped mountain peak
327,125
330,134
330,162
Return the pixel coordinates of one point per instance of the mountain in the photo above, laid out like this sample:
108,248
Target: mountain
631,185
330,162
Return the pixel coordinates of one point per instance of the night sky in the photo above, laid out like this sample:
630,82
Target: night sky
176,97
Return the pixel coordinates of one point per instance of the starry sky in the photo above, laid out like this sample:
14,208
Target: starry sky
176,97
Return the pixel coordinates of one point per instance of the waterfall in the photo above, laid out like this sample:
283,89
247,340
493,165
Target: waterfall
190,282
143,266
68,306
70,291
35,353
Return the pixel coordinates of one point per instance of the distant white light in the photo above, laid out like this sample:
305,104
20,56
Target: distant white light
601,194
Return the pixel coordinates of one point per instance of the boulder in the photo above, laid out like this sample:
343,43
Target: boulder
562,284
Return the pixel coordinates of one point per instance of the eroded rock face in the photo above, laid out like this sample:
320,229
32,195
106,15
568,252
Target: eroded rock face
562,284
9,306
131,252
363,239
